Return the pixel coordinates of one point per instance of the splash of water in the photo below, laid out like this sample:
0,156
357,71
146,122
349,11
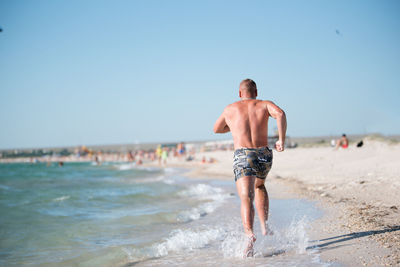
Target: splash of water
187,240
293,238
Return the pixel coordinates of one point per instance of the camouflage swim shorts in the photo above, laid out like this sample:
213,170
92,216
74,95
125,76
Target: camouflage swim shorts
252,162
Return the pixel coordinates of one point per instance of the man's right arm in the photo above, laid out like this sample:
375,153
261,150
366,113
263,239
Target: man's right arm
220,125
280,116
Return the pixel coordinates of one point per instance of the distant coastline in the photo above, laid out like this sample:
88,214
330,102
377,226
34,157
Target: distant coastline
64,152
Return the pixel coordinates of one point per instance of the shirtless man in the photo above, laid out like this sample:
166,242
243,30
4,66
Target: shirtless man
247,120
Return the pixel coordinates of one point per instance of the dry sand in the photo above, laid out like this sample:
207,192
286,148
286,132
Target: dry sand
357,187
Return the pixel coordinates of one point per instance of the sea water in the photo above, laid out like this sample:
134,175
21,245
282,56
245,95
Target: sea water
119,214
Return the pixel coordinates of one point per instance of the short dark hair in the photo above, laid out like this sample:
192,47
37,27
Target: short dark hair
250,85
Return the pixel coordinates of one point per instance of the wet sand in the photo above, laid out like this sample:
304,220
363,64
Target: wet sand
356,187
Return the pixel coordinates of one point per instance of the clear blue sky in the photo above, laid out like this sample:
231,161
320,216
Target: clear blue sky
104,72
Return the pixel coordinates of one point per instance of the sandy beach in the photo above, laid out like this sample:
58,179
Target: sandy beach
357,188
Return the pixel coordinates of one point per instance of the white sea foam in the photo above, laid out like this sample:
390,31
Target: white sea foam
124,167
187,240
204,192
133,165
160,178
214,195
197,212
61,198
149,169
150,179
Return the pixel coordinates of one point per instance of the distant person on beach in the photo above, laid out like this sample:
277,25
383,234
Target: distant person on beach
130,156
181,149
164,155
97,160
247,120
159,154
342,142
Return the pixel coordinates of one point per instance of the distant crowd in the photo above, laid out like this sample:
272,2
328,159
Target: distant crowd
161,154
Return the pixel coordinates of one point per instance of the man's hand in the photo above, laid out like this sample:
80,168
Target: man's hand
279,146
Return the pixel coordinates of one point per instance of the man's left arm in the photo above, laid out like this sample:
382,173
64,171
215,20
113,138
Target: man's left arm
280,116
220,125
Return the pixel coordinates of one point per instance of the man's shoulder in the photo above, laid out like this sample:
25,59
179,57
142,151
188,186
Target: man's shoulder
265,102
232,105
229,109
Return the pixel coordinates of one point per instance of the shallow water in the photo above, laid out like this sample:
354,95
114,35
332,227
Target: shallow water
120,214
218,239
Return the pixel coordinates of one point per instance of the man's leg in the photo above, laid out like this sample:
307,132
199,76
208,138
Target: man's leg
245,187
262,203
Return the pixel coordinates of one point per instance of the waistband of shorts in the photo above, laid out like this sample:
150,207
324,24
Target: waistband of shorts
253,149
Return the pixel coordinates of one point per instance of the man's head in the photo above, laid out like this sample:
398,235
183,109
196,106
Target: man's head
247,89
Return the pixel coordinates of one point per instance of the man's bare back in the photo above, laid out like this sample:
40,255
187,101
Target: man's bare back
247,120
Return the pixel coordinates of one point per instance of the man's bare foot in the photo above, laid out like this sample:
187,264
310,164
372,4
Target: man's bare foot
249,251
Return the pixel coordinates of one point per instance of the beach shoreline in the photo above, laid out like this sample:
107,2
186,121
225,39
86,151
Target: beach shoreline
356,189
